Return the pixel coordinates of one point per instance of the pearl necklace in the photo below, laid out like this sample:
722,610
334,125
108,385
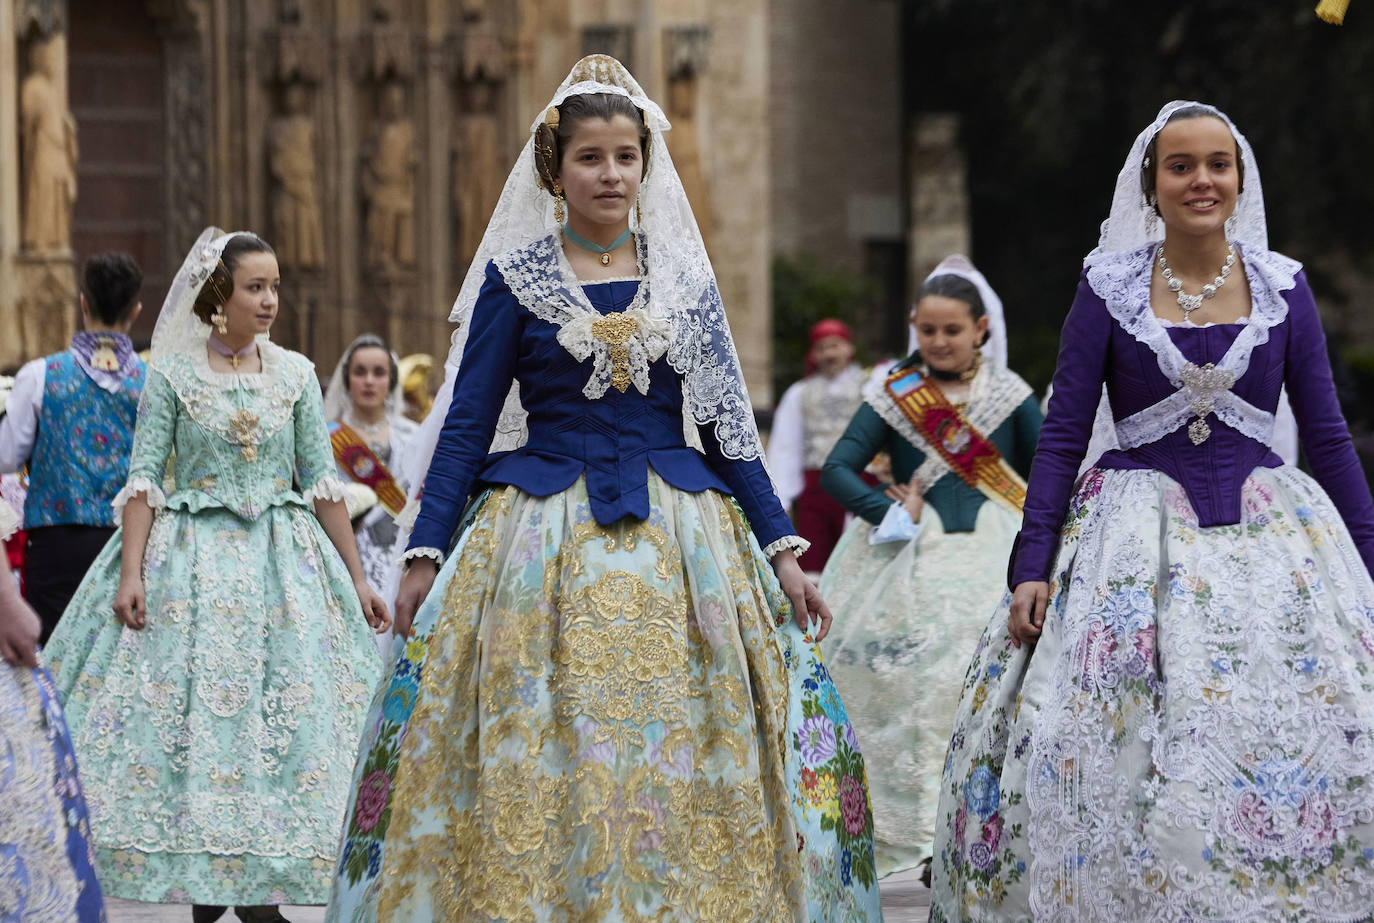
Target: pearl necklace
1190,303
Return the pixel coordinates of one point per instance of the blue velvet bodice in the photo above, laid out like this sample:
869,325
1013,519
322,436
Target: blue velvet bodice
613,439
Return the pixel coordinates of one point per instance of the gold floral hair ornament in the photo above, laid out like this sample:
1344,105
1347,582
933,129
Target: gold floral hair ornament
551,118
1332,11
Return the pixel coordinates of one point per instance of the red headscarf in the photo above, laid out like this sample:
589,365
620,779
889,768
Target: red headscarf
830,327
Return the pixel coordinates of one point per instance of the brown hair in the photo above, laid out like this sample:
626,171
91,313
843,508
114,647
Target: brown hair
219,286
371,341
1149,166
551,140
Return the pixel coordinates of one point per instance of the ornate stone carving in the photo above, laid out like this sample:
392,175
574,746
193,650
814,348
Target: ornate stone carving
181,24
48,136
480,64
47,302
297,228
686,49
388,179
45,18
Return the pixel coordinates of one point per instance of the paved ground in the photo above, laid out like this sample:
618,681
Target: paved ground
905,900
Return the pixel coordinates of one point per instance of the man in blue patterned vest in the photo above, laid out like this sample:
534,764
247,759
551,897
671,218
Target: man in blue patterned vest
70,418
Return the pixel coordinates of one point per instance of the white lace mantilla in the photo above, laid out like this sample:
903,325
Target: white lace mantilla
993,395
1122,280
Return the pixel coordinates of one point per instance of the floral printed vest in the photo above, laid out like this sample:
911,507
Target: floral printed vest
81,456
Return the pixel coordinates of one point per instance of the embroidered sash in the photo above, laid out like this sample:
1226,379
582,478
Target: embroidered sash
967,452
363,465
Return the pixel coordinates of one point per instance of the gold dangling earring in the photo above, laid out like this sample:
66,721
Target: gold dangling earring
220,321
558,214
639,214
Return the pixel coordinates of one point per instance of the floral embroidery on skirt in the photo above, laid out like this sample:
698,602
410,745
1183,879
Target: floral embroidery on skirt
1193,737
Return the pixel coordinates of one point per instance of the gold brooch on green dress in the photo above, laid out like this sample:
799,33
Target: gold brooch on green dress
243,425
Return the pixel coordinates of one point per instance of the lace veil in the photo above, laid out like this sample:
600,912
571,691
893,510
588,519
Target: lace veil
178,329
995,349
1130,225
336,399
682,286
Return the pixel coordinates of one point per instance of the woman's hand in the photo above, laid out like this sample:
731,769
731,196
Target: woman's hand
1027,616
130,605
19,628
374,610
415,585
806,599
910,495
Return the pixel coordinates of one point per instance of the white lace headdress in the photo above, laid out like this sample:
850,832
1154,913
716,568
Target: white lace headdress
178,329
995,349
336,399
682,291
1129,226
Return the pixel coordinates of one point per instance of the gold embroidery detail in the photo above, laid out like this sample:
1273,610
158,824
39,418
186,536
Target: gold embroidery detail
580,748
243,427
615,330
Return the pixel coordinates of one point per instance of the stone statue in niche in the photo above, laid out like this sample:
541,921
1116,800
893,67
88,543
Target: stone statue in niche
389,184
49,150
478,166
685,147
297,228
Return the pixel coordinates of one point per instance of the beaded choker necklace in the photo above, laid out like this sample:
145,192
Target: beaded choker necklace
586,244
234,356
966,375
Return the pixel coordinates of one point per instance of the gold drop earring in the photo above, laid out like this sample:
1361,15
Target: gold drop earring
639,214
558,214
220,321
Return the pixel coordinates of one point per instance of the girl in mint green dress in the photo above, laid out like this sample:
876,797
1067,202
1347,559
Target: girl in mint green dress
215,702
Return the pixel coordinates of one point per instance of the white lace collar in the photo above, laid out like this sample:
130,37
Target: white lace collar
269,352
622,344
1122,281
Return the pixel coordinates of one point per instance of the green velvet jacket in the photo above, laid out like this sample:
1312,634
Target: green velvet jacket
956,502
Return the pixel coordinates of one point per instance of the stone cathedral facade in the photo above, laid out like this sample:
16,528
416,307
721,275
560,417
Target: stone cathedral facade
367,140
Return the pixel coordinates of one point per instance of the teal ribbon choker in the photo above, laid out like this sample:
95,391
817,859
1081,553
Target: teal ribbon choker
586,244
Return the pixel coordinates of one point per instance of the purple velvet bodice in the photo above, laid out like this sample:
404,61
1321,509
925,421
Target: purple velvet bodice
1095,347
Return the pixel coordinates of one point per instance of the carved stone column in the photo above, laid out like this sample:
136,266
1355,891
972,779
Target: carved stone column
183,25
939,195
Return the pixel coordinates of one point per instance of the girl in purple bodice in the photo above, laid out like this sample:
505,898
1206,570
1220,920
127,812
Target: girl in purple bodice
1171,715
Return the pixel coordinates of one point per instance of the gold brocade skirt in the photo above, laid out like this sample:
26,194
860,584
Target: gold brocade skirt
588,724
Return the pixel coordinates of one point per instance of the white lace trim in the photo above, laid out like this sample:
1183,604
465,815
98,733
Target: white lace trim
1122,281
795,542
9,521
140,485
328,487
204,392
434,554
647,344
993,396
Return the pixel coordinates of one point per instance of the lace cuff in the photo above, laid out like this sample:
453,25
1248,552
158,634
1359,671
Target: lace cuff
434,554
9,520
897,526
794,542
139,485
328,487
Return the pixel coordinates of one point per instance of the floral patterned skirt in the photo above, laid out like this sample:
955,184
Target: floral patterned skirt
1193,736
907,618
591,722
217,743
47,867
